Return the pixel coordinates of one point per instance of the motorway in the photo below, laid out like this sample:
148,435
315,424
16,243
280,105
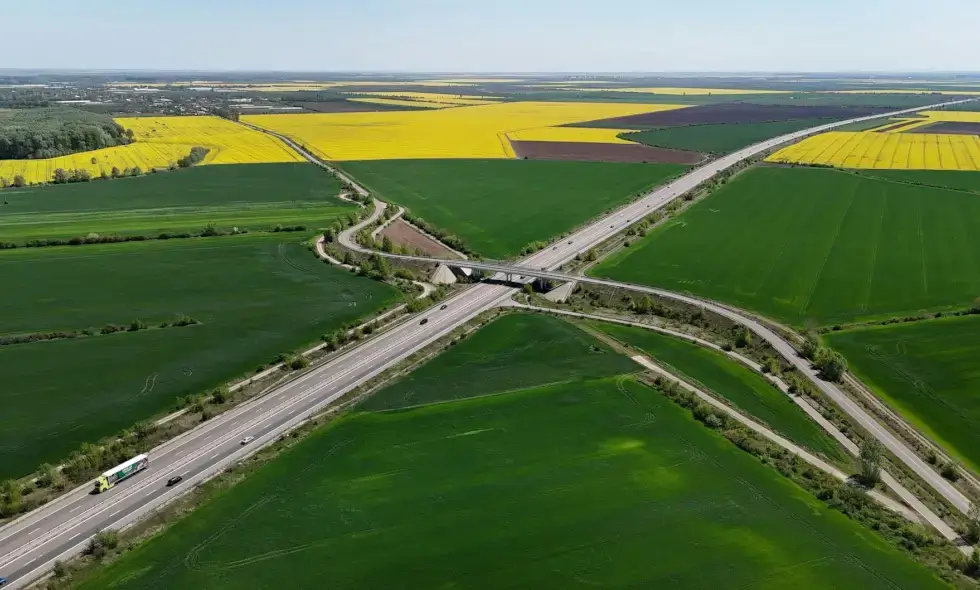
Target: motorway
60,529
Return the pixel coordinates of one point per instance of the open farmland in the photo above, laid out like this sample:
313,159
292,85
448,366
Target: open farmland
926,370
253,296
515,351
745,389
570,485
159,142
911,144
497,207
432,97
961,180
871,150
731,112
806,245
461,132
256,196
719,138
677,91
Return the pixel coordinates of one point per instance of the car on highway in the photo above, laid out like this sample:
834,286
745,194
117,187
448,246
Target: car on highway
443,307
424,321
247,440
174,480
3,581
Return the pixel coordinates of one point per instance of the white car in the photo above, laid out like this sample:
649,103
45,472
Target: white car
247,440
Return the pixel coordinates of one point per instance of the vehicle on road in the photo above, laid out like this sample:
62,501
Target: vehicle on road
424,321
174,480
443,307
247,440
120,472
3,581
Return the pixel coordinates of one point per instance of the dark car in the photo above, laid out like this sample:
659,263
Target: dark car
424,321
3,581
444,307
174,480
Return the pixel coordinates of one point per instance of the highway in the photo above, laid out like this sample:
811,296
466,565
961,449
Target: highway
30,545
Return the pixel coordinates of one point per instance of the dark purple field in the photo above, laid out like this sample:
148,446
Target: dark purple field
733,112
602,152
950,128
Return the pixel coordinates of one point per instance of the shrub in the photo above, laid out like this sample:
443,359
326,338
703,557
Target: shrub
950,472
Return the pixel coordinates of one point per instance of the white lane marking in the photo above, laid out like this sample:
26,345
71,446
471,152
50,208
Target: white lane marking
74,536
212,456
31,533
115,513
31,561
75,509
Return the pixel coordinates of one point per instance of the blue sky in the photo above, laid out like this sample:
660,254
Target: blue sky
494,35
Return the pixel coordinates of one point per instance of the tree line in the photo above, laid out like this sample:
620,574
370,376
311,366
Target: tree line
27,134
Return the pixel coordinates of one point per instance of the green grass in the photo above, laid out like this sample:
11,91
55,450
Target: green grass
959,180
745,389
514,351
499,206
816,246
578,485
929,372
257,196
719,138
255,296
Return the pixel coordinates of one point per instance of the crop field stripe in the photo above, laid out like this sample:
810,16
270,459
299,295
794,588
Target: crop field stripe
568,486
254,296
726,378
927,372
809,245
475,200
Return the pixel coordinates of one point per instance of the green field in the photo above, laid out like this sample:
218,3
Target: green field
512,352
719,138
744,388
499,206
811,99
808,245
959,180
929,372
257,196
256,296
600,483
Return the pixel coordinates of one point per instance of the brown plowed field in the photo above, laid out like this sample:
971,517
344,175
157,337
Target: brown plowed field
733,112
403,234
949,128
602,152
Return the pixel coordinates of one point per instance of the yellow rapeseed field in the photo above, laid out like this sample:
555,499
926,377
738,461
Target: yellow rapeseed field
436,97
159,142
679,91
867,149
230,143
400,102
463,132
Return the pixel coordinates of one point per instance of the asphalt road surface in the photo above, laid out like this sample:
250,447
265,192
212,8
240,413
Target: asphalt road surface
30,545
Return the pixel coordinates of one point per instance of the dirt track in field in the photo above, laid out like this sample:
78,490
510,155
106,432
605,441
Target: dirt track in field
602,152
403,234
733,112
949,128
